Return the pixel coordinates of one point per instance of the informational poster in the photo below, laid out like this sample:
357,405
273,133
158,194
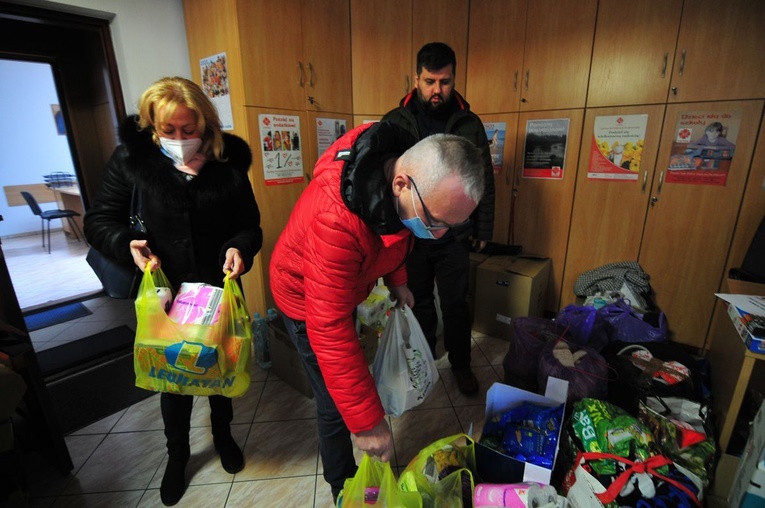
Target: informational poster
282,158
495,132
215,86
703,148
617,147
328,130
544,149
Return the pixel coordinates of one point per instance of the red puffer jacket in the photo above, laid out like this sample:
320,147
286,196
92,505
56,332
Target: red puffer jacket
328,259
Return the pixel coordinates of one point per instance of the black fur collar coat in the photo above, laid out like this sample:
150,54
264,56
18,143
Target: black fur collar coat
190,222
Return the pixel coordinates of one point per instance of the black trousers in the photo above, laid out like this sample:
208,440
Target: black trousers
176,415
447,265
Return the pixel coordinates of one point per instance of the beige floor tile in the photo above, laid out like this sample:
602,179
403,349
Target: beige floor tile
417,429
486,377
323,497
280,449
82,447
110,499
102,426
273,493
196,496
144,415
282,402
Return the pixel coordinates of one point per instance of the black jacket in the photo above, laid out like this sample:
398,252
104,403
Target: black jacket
466,124
190,223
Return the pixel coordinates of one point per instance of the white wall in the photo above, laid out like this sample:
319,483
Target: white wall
29,142
149,39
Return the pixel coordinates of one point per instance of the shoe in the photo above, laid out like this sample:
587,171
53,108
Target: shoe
231,457
466,381
173,482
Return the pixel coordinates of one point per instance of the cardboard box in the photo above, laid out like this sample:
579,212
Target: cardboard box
285,361
508,287
495,467
748,473
748,316
475,260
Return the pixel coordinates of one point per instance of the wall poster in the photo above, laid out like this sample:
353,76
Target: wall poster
617,147
215,86
495,132
282,158
703,148
328,130
544,149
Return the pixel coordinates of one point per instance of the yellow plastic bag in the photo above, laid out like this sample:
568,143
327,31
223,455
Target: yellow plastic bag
375,485
191,359
442,473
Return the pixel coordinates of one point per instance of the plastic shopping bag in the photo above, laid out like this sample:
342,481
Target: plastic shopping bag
442,473
404,370
192,359
375,484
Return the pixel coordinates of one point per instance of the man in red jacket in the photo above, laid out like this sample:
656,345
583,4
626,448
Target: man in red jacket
371,190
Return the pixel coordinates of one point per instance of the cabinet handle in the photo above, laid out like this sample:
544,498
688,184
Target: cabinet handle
310,70
645,180
515,81
300,67
682,63
527,79
661,182
664,67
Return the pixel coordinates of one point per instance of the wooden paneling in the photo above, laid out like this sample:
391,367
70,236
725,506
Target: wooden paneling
40,191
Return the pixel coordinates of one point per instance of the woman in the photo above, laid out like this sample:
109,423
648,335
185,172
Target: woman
201,220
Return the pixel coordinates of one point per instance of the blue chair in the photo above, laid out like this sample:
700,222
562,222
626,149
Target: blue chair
50,215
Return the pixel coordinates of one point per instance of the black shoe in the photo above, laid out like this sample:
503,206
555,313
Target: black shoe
173,482
231,457
466,381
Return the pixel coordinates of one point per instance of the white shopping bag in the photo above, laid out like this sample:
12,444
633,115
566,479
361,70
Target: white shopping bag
404,370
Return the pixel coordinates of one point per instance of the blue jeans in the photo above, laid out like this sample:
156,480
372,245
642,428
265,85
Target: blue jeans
335,446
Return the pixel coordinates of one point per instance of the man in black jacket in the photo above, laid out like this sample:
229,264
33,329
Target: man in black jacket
435,107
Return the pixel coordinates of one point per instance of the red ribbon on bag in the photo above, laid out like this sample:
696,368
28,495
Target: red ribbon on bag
650,465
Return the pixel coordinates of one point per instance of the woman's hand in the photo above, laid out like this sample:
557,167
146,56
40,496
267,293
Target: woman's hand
142,255
233,263
403,296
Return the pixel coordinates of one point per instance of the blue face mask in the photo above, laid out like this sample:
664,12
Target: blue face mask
415,224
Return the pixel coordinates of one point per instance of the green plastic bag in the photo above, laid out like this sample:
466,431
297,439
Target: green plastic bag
191,359
442,473
375,485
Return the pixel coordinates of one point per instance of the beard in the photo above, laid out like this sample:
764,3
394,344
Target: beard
431,107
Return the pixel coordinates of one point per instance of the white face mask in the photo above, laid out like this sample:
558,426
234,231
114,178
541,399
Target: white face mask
180,150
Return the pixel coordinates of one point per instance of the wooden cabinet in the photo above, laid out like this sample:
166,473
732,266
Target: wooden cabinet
302,65
679,232
529,55
385,38
633,53
542,211
656,51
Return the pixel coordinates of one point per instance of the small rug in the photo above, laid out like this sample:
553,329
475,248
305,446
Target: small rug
55,315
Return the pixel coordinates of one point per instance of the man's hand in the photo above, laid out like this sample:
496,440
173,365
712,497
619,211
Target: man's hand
377,442
403,296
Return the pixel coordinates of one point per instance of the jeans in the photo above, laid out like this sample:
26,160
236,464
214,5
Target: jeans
448,264
335,446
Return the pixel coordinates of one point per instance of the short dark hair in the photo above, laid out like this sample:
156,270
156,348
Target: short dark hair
434,56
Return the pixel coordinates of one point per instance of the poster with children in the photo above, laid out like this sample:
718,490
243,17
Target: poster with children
215,86
617,147
280,143
495,133
703,147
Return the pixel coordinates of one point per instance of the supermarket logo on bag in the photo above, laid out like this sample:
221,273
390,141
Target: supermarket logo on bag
191,357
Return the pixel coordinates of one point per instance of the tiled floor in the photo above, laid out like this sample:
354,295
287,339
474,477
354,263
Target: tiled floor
119,461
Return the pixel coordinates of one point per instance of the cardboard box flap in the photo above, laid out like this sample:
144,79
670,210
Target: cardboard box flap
527,265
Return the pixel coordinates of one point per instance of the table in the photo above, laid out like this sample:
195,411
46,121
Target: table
68,198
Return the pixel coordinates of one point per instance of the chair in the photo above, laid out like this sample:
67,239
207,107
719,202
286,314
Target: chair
50,215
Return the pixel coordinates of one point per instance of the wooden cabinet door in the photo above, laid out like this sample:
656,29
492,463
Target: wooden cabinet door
609,215
272,59
720,51
442,21
542,213
633,52
504,176
381,42
689,227
495,55
327,55
556,62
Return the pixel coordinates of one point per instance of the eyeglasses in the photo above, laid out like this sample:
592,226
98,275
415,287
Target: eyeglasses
429,226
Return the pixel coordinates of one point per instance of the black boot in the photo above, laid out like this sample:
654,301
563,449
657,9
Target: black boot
176,414
221,414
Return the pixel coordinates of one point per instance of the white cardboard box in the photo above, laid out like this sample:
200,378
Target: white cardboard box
748,315
753,450
495,467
